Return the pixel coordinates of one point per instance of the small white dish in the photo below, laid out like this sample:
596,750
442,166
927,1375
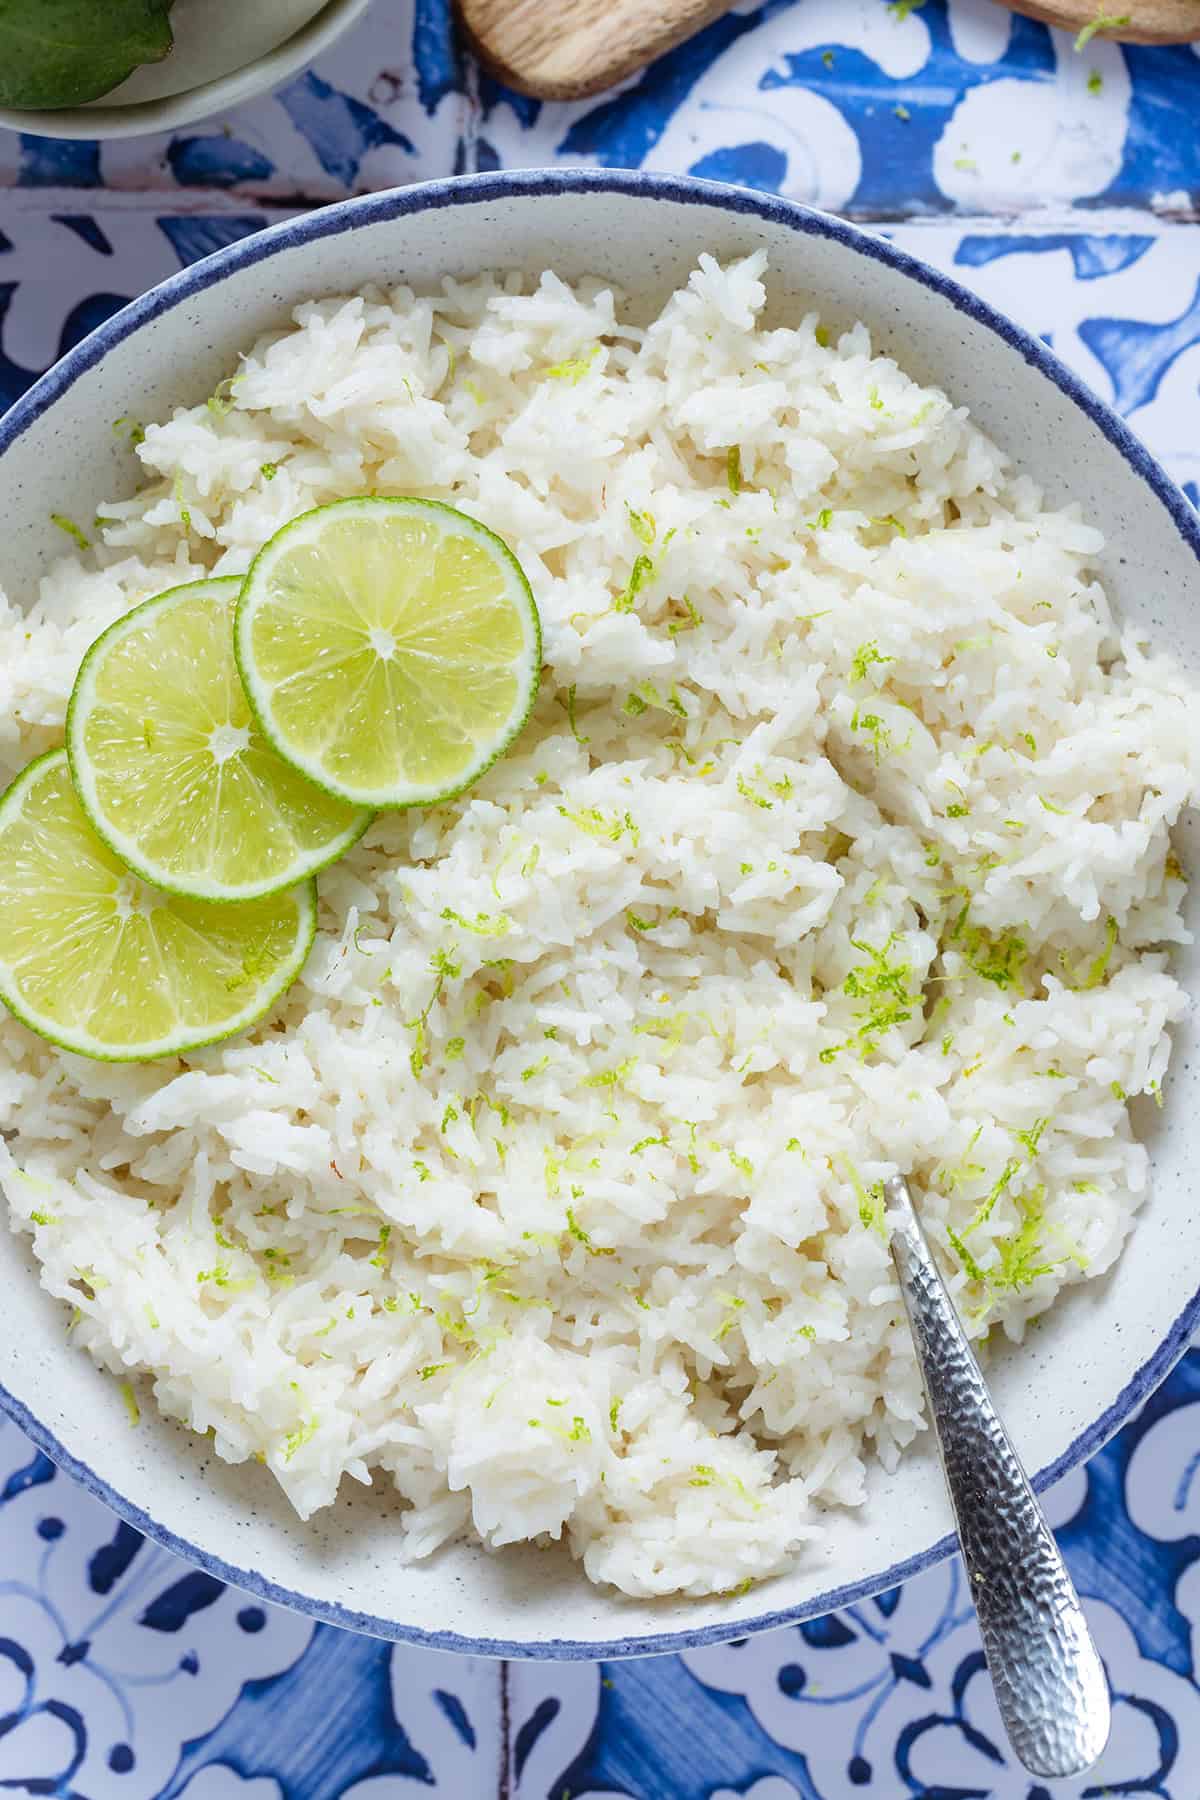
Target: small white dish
1105,1345
226,51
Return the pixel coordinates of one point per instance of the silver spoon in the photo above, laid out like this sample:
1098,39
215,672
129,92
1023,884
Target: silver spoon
1050,1683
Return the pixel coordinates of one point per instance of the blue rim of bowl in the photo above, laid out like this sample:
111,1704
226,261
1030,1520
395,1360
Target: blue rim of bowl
474,190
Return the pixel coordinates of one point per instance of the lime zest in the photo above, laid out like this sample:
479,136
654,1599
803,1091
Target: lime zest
79,538
864,657
641,574
574,368
642,524
1099,967
1102,22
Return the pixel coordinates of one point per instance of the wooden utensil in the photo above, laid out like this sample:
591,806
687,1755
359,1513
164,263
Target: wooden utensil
1149,22
566,49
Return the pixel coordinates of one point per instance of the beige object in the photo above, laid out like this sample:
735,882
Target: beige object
565,49
1151,22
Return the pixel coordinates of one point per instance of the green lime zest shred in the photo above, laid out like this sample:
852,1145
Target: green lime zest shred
1032,1138
574,368
875,729
995,958
870,1200
689,624
884,990
72,530
445,969
597,824
1022,1253
751,793
569,703
646,1142
297,1439
864,657
733,1305
641,574
1102,22
986,1207
611,1078
1099,967
581,1236
221,400
969,1265
642,524
488,925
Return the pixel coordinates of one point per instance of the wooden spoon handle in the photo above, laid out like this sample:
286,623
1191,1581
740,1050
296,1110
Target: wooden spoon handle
566,49
1149,21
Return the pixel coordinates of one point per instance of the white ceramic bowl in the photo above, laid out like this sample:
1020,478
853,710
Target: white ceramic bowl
1104,1346
226,51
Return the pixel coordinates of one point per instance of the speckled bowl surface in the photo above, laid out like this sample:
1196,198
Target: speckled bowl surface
1104,1347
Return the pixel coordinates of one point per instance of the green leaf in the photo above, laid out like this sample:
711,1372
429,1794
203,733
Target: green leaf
63,52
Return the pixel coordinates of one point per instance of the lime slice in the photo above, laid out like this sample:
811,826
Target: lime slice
171,769
99,963
390,648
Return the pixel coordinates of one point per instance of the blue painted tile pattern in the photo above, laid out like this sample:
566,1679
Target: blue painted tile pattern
1043,178
856,105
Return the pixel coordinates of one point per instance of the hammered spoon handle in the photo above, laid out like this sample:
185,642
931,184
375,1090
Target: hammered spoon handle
1048,1677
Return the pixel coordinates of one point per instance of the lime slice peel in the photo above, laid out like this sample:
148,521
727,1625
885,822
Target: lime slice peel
171,769
100,964
390,648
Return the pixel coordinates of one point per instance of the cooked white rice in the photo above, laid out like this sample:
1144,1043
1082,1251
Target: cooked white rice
838,843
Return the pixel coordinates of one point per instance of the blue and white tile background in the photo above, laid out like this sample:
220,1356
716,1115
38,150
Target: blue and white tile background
1063,186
